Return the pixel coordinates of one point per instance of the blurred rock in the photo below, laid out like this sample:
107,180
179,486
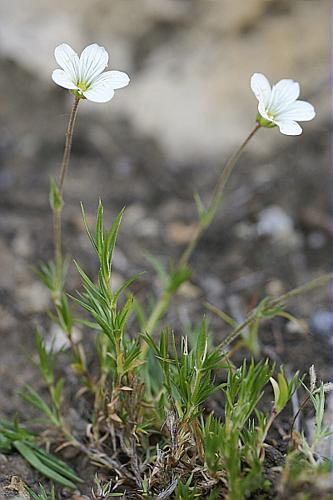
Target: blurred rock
22,244
213,287
190,61
316,239
147,228
297,326
180,233
245,230
119,260
7,261
117,280
275,222
7,319
57,340
275,288
321,323
189,291
133,214
34,297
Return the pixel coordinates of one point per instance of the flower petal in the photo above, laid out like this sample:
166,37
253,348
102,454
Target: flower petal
283,93
117,79
261,87
289,127
68,60
93,62
103,86
300,111
60,77
100,91
263,112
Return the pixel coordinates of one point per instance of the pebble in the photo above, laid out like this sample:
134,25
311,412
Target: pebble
117,280
245,230
34,297
22,244
297,326
133,214
321,323
213,287
119,260
275,222
57,340
147,228
189,291
316,240
180,233
275,288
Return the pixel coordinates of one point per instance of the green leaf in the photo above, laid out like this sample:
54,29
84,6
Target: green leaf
30,456
99,228
284,390
56,464
177,278
34,398
45,360
113,234
5,443
57,393
42,495
55,198
91,238
126,284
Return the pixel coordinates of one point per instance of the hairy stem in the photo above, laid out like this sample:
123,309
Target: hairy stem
68,144
216,199
64,168
215,203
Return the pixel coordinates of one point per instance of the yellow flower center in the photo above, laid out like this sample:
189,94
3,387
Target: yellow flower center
82,86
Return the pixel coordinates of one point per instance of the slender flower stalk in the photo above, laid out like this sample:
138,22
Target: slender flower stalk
215,203
57,213
216,199
68,144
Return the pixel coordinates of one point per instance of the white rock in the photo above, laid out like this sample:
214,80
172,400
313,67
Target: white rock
57,340
34,297
275,222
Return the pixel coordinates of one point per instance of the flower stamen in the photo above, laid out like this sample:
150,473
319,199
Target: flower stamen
82,86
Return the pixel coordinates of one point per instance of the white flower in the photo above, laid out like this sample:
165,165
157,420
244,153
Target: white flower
279,105
84,75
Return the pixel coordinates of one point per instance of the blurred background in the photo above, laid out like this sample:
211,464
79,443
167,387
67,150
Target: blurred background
158,141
